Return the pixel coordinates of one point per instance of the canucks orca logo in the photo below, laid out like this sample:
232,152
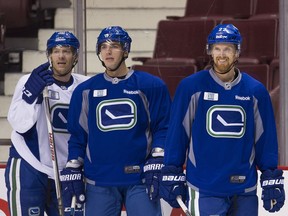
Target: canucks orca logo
226,121
117,114
59,115
34,211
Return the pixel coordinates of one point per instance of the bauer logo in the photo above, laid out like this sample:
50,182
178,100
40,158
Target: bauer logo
226,121
174,178
118,114
273,182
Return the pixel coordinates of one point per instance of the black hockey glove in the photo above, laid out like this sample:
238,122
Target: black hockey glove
72,184
273,194
152,172
40,77
172,184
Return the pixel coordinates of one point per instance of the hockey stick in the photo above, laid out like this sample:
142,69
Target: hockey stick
73,204
53,150
183,206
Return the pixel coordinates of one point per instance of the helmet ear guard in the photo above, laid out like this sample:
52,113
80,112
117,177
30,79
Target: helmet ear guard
224,33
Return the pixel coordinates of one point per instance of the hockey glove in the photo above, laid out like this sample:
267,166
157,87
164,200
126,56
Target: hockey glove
39,78
172,184
273,195
152,172
72,184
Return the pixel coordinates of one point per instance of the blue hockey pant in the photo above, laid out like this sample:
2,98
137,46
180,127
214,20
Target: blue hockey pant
108,201
237,205
30,192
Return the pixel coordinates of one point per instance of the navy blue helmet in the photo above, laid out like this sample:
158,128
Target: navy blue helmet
64,38
224,33
116,34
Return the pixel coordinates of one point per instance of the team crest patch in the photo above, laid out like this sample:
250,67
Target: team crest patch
116,114
226,121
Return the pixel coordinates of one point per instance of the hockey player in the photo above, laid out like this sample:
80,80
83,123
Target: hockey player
118,122
29,173
223,120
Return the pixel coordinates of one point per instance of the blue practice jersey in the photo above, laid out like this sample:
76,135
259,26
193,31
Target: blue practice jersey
114,124
226,129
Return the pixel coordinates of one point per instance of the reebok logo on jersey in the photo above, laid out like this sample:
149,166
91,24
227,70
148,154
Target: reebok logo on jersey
242,98
174,178
70,177
150,167
130,92
273,182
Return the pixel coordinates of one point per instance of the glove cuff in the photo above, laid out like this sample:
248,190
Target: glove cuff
32,88
157,152
170,169
272,178
74,164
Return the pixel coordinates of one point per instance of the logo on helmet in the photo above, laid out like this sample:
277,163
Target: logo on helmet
60,39
221,36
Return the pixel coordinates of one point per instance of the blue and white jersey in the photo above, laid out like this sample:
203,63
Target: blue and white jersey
114,124
30,133
227,129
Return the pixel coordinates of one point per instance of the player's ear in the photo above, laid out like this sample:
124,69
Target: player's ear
237,54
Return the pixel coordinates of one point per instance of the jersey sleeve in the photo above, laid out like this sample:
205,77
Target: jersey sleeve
21,115
178,135
266,144
77,125
159,109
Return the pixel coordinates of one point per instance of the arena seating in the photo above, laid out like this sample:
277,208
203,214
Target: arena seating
266,9
181,42
258,71
219,8
171,74
261,72
274,73
260,39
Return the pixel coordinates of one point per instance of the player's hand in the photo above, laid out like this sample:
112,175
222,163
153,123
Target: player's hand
273,194
72,184
152,173
40,77
172,184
